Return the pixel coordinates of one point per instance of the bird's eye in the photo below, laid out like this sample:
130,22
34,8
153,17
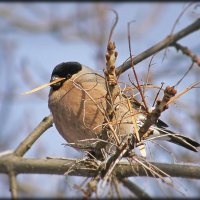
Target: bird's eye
53,78
57,85
69,76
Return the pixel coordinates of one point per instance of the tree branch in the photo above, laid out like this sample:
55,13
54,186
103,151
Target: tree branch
187,52
135,189
60,166
160,46
26,144
13,184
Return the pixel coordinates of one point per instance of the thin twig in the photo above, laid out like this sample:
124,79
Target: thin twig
114,25
134,119
175,23
148,72
135,74
160,46
179,16
152,169
112,162
185,74
117,189
183,92
158,93
101,110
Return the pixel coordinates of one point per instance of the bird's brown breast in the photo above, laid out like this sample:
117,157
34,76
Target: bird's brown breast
76,109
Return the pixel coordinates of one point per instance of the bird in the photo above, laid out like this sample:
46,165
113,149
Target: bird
78,107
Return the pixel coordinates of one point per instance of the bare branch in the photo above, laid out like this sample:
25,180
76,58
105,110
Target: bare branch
188,52
140,193
160,46
60,166
33,136
13,184
183,92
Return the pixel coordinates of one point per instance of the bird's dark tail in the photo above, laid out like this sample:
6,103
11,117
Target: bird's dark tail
181,140
184,142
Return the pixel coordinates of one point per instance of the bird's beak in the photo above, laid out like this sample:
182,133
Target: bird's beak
43,86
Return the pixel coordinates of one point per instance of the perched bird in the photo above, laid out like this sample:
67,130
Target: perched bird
78,106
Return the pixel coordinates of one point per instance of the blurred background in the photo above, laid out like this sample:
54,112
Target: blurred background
35,37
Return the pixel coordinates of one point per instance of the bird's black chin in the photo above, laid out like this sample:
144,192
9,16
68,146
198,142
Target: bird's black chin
56,86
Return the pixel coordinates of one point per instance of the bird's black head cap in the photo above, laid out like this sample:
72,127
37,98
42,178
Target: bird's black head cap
64,70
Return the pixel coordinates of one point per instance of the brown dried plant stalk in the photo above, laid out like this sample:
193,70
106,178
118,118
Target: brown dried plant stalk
111,82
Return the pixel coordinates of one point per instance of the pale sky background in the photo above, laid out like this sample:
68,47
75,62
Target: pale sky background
42,52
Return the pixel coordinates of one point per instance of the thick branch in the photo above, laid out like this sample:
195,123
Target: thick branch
160,46
135,189
33,136
13,184
59,166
